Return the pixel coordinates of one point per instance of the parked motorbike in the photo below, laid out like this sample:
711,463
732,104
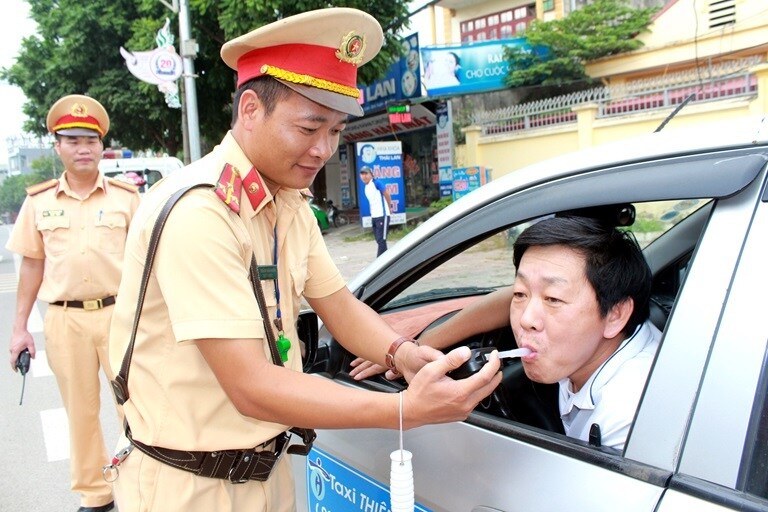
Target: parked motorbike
335,217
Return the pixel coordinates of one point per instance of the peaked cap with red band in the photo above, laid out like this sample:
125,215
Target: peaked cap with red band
315,53
78,116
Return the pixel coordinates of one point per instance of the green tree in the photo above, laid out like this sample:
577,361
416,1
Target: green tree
238,17
599,29
13,190
47,167
76,50
12,193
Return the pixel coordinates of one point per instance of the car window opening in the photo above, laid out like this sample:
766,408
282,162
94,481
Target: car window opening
443,291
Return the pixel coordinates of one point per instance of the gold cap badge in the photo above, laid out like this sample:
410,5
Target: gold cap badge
79,110
352,48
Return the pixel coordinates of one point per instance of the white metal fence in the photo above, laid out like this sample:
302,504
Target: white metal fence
729,79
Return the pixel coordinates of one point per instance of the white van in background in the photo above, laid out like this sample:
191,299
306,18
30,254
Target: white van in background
143,171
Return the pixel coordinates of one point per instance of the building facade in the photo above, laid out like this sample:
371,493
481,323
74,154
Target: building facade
23,150
707,59
701,61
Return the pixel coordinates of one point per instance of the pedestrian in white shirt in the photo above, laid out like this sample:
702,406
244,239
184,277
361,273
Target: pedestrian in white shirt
378,200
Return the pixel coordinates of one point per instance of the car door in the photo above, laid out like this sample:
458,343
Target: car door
491,463
724,457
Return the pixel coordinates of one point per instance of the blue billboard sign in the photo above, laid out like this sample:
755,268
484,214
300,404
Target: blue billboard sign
401,82
385,161
459,69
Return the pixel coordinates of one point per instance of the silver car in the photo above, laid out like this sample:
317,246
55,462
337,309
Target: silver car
699,440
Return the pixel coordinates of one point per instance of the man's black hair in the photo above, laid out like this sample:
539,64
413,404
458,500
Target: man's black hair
269,91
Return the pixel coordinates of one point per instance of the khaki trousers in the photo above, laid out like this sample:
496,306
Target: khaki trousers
147,485
76,346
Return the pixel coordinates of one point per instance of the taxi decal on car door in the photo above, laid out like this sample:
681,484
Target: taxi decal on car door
332,486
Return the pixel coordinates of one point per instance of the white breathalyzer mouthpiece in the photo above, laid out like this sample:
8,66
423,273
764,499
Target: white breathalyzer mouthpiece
518,352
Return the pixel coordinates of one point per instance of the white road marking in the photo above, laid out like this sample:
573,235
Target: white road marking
8,283
55,433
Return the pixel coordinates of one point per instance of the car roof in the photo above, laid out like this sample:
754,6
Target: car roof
724,135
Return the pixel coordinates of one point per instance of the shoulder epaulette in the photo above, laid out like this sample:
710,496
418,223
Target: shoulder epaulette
229,187
41,187
123,185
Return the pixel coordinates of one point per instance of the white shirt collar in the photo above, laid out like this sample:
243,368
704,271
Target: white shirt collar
589,394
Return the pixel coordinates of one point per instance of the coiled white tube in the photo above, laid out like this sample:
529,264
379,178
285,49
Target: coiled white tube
401,494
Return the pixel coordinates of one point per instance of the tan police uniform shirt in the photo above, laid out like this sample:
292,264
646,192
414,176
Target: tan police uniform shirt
81,240
199,289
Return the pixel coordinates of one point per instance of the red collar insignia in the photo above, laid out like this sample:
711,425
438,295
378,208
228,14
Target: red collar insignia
254,188
229,187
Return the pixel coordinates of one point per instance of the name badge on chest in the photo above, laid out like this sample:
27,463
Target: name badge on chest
267,272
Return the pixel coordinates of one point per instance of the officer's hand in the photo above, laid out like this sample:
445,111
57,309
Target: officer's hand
20,341
433,397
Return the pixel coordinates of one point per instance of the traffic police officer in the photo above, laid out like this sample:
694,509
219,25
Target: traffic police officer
71,235
206,405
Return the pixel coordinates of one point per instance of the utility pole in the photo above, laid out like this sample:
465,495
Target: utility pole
188,52
184,130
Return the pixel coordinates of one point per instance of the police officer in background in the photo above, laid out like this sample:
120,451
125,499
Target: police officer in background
71,235
208,405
